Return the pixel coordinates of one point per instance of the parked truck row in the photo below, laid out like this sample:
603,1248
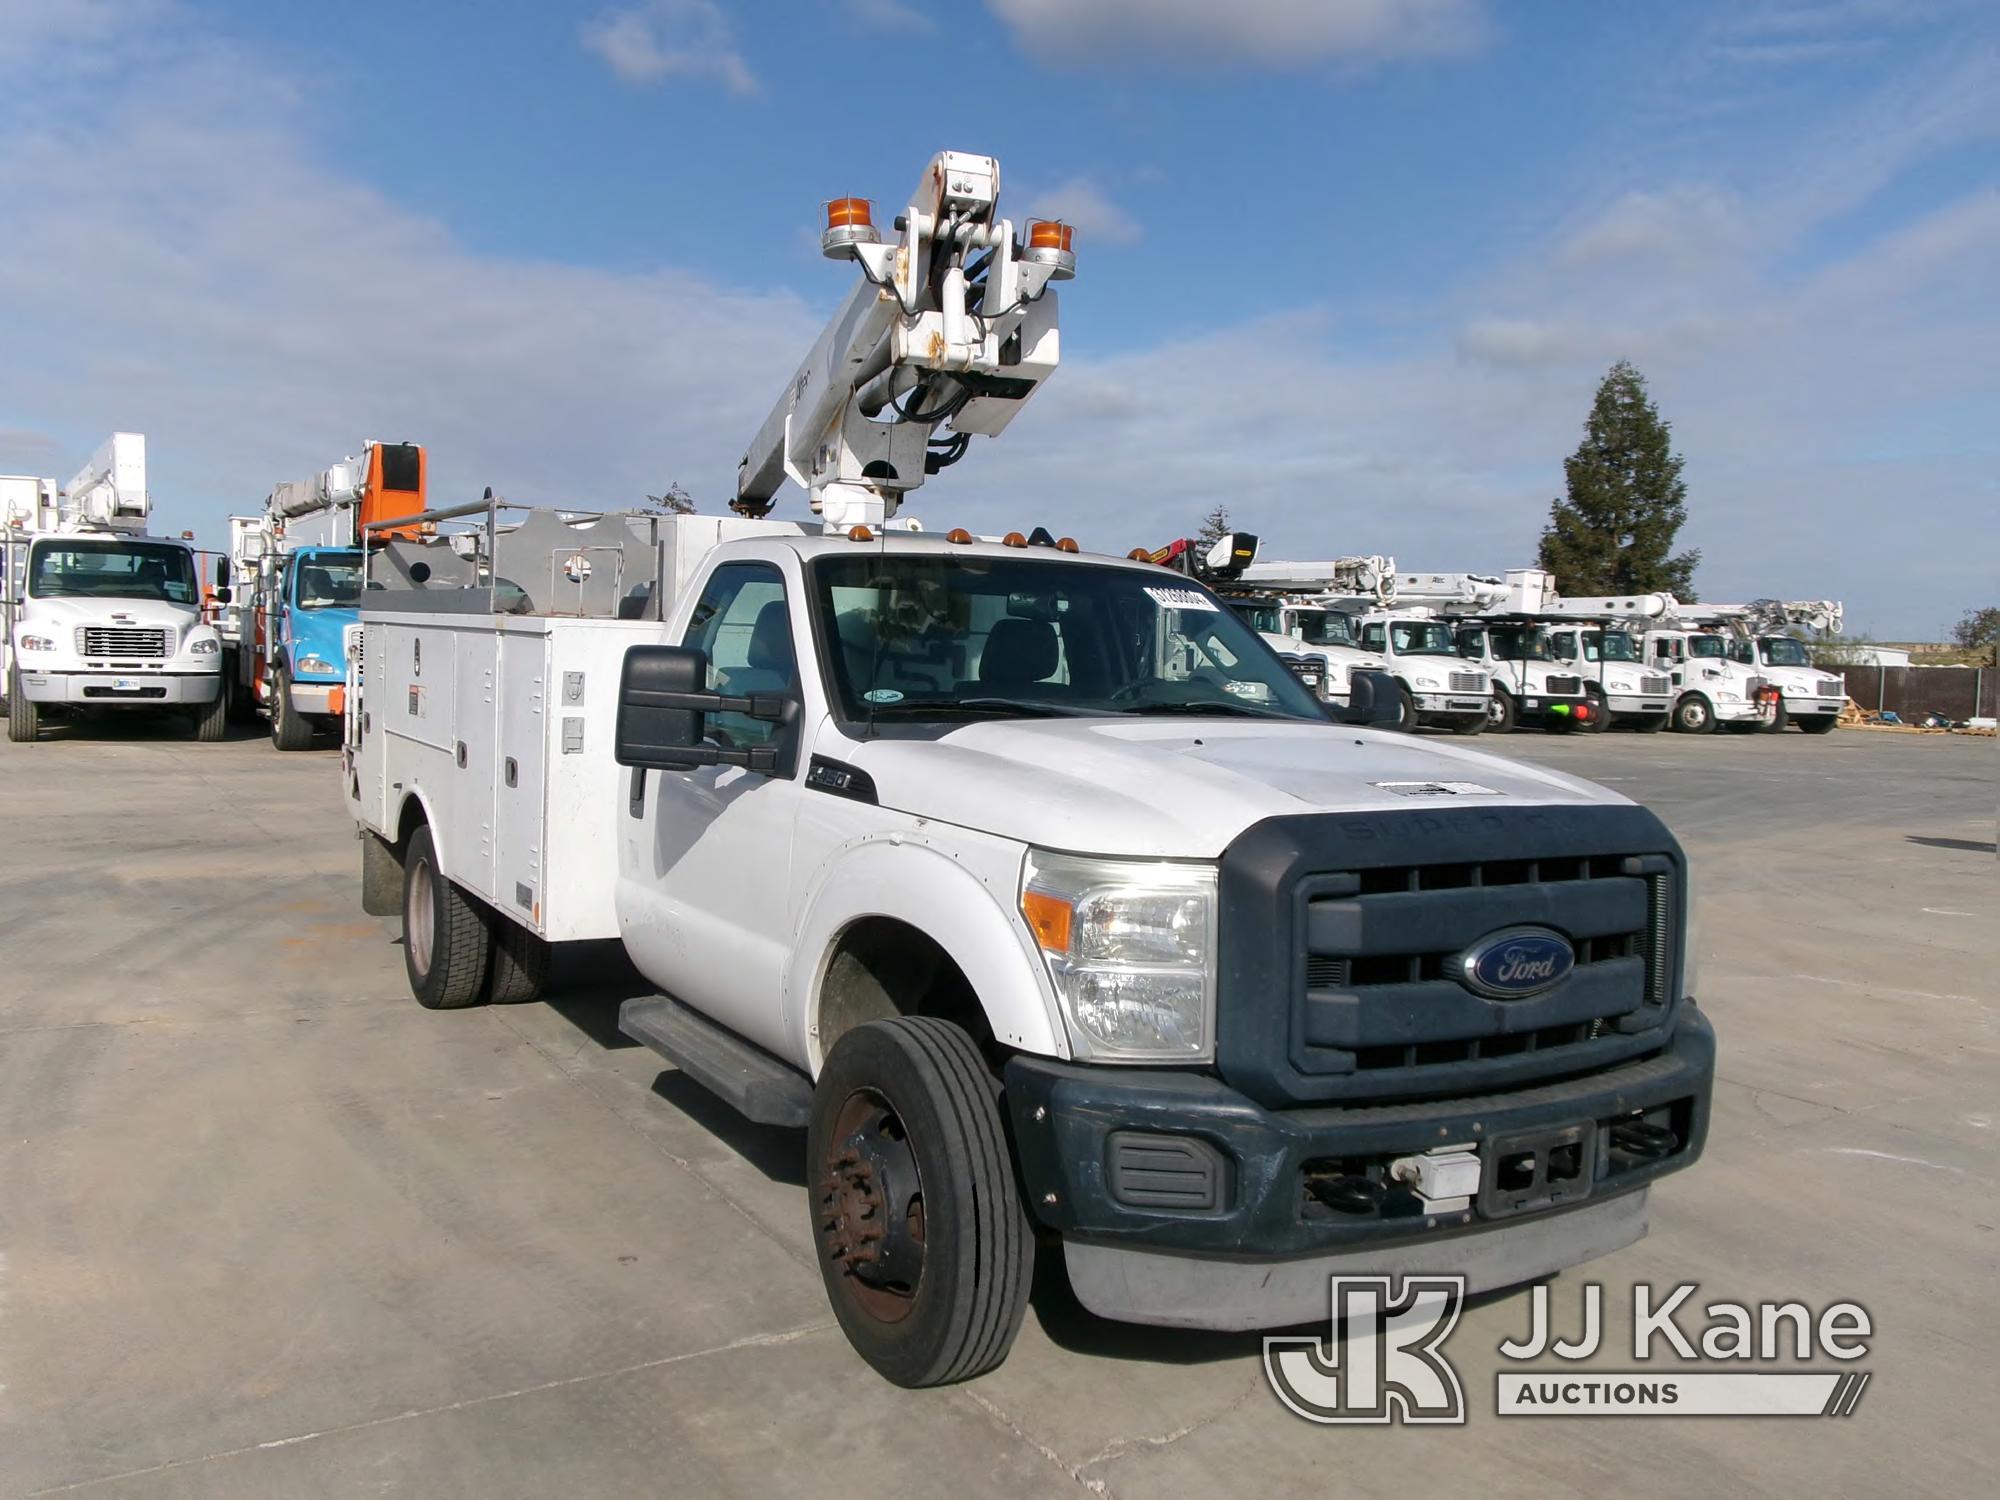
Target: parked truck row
1489,653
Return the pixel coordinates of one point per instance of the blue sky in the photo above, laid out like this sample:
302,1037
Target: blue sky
1351,267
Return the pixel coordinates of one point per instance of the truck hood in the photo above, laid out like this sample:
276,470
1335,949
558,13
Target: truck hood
1183,789
102,611
321,633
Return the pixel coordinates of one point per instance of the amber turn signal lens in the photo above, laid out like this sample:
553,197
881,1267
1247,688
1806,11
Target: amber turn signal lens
1048,918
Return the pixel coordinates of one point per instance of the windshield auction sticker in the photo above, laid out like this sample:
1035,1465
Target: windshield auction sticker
1383,1359
1181,599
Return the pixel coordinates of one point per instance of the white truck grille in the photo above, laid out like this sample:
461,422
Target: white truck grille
125,642
1468,682
1833,687
1654,686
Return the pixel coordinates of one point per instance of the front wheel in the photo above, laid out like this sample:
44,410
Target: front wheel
290,729
1819,724
925,1249
445,938
1694,715
24,719
1650,723
211,720
1779,719
1469,724
1502,713
1599,719
1405,721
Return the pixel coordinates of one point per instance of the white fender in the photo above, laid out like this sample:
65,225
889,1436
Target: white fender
962,899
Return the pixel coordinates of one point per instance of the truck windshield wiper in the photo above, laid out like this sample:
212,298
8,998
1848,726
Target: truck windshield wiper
1019,708
1206,706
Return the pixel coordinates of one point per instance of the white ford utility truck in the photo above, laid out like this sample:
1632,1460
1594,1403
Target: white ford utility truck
100,616
1030,884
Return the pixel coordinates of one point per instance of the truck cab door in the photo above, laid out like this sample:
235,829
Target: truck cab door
705,871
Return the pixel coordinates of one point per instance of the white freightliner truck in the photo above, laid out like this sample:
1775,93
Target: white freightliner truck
100,616
1807,695
1029,883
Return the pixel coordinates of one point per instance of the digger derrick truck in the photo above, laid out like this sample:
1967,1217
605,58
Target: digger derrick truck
1764,642
290,588
1028,884
99,616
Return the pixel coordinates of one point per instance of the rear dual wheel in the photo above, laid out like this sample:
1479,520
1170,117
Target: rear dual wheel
456,949
925,1249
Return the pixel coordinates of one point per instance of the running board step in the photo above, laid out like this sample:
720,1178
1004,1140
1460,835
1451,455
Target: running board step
743,1075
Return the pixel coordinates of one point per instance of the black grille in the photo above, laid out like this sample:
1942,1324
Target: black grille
1566,685
1367,950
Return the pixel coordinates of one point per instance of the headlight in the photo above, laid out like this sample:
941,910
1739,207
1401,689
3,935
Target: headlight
1426,682
206,645
1130,947
38,643
318,666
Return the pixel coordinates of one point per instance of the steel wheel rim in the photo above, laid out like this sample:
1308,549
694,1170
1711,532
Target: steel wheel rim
419,912
870,1209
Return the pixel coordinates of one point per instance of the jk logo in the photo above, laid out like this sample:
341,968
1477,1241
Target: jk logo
1380,1361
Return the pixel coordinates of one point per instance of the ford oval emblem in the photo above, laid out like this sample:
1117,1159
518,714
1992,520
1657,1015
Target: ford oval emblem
1516,963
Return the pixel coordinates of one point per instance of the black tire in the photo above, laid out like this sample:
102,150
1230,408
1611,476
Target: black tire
445,939
241,709
1405,721
1503,713
1694,714
211,720
518,966
289,731
1779,719
1469,724
1651,723
913,1093
1600,716
24,719
1819,723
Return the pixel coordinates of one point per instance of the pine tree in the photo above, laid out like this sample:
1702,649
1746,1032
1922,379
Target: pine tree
675,502
1614,531
1215,526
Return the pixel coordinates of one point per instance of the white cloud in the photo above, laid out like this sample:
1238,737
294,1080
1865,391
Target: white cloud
669,39
1266,33
259,316
1082,202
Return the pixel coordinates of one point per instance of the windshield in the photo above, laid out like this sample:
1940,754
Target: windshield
329,582
1710,647
1322,627
942,636
1609,645
1783,651
1520,643
1261,617
82,568
1422,638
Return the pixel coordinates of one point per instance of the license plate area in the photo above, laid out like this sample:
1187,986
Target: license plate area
1538,1169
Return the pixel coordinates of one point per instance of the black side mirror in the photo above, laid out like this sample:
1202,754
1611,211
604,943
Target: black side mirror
663,699
1372,698
222,570
221,594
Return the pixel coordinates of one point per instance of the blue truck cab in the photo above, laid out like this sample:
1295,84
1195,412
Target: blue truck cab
302,641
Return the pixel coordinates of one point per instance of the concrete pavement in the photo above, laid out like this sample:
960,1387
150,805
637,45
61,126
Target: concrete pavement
267,1227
